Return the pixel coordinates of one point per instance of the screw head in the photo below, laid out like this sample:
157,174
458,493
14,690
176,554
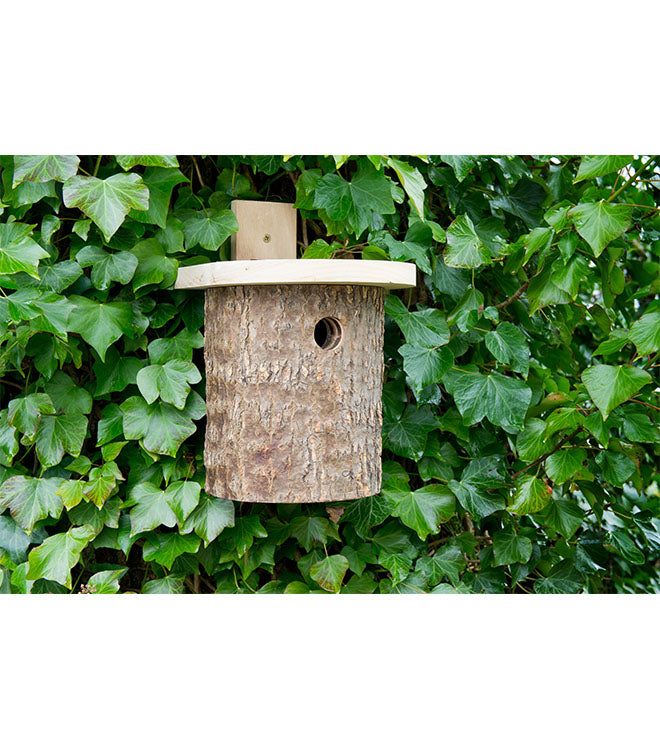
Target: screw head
266,238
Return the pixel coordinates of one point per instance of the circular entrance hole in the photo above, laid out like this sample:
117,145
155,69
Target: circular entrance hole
327,333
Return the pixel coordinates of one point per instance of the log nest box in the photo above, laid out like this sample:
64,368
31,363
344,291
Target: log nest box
294,365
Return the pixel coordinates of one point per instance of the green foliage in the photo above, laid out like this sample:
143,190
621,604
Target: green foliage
106,202
521,443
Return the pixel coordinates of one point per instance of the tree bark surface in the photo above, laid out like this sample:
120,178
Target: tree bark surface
287,420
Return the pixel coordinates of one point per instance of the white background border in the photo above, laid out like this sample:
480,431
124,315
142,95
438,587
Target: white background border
321,671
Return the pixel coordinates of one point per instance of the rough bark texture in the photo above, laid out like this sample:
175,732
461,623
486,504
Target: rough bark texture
289,421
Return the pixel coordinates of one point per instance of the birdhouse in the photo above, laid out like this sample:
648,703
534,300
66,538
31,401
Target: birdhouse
294,365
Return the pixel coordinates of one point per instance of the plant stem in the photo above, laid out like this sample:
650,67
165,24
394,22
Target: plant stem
73,588
631,179
637,401
97,165
199,174
513,297
540,460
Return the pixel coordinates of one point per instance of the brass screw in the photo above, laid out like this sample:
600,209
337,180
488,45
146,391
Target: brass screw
266,238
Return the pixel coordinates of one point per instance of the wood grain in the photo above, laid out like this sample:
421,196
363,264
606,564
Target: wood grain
289,421
265,230
384,273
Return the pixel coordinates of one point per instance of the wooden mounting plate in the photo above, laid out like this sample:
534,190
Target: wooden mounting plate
384,273
265,230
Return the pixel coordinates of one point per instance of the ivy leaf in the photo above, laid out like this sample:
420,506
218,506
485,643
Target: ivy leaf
167,585
424,365
600,223
211,516
564,418
320,249
116,373
107,267
30,500
160,427
71,492
468,310
542,291
422,510
638,428
100,323
46,311
448,561
183,497
367,512
110,425
626,547
102,482
563,579
566,276
25,412
461,165
617,468
503,400
50,225
330,572
58,554
563,464
81,228
170,381
151,508
525,201
20,584
645,333
208,228
310,529
531,442
177,347
245,529
128,162
531,495
450,281
368,192
599,166
509,547
508,345
13,540
475,490
408,249
563,516
60,433
106,202
397,563
154,267
438,460
610,386
165,548
55,278
88,514
66,396
413,183
407,435
465,248
112,450
161,182
425,328
538,239
18,251
106,581
333,195
44,168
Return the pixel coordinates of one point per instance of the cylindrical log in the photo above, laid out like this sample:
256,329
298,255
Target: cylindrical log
293,392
